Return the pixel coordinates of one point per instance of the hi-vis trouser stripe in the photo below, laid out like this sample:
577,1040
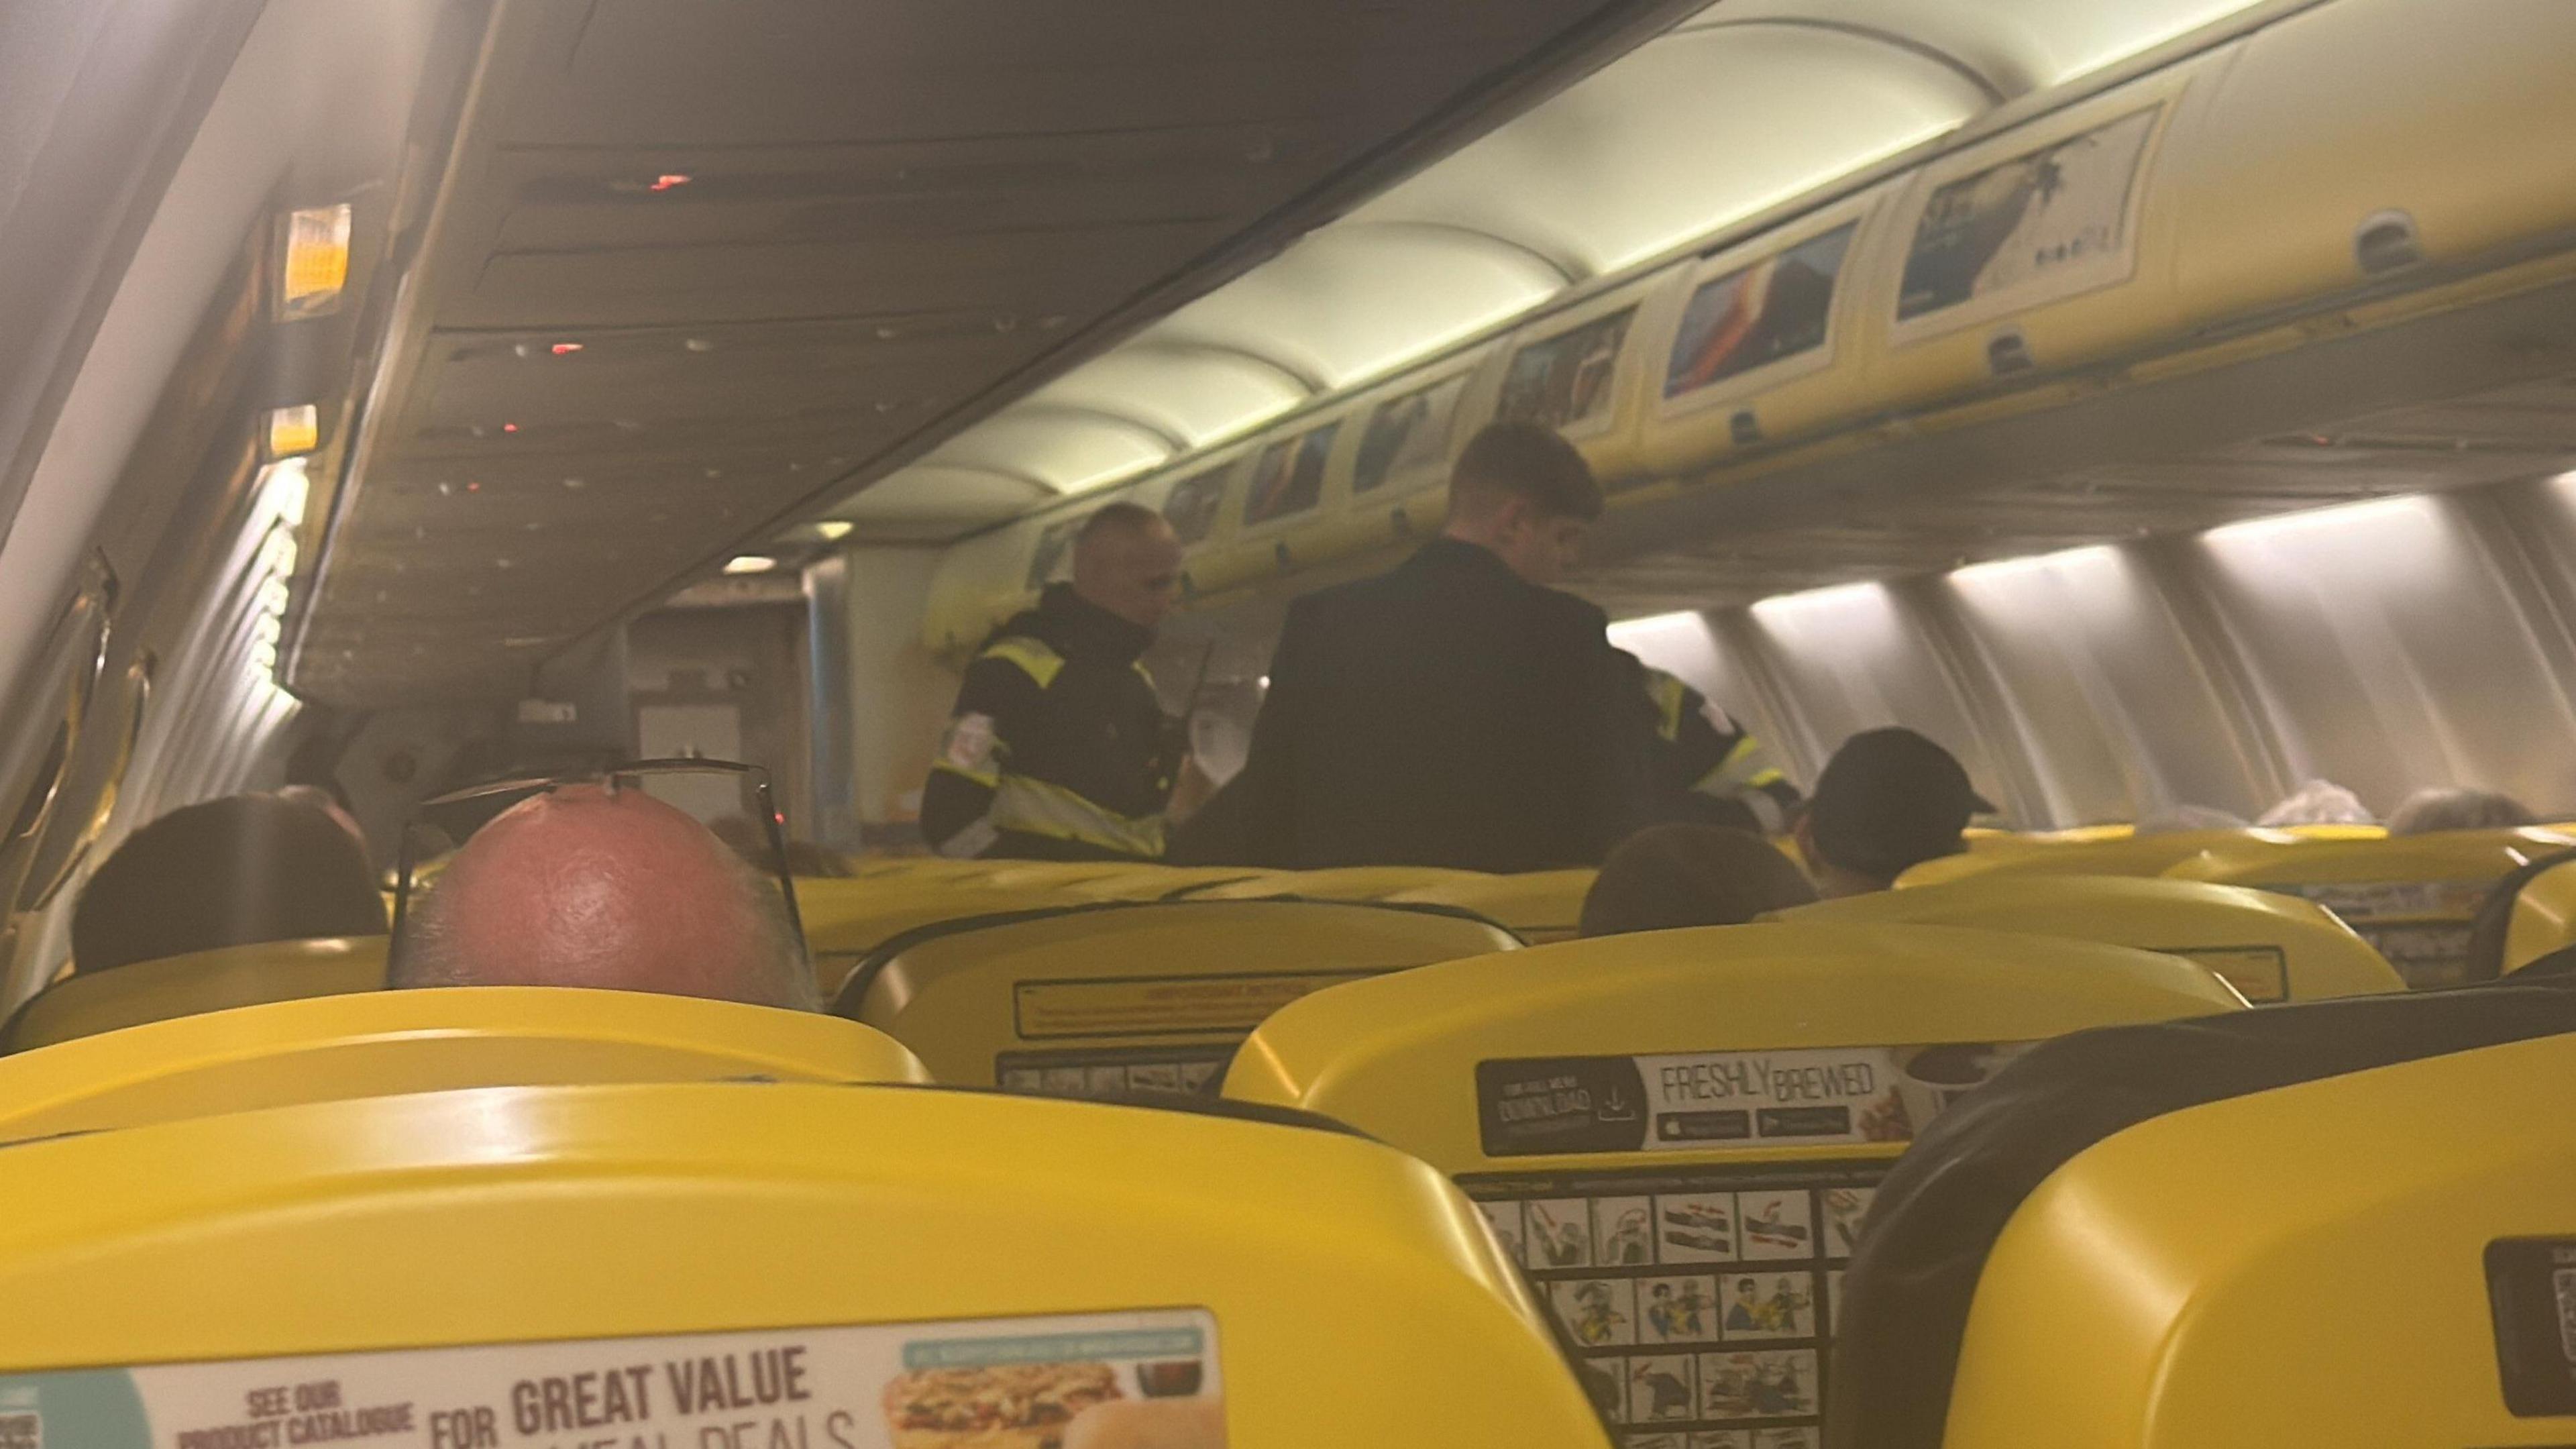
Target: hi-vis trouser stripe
1034,807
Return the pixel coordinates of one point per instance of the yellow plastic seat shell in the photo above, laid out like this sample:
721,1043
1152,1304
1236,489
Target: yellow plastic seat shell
2544,917
2113,851
1356,1298
1544,905
846,919
2269,947
1185,976
87,1003
1396,1056
385,1042
2330,1292
2462,857
1339,883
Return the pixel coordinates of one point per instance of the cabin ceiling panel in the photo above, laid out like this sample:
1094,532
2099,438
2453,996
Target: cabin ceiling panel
700,267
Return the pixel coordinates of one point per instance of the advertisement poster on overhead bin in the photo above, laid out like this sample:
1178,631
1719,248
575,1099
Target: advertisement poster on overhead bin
1190,508
1023,1383
1564,381
1722,1101
1288,479
1776,309
2039,227
1407,435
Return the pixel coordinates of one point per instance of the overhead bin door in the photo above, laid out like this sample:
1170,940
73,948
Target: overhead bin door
1763,344
2358,139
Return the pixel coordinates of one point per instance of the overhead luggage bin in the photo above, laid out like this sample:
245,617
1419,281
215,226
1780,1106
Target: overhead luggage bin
1991,287
1400,473
758,1265
1678,1133
2414,91
1295,491
2386,1256
85,1004
2268,946
384,1042
1539,906
2413,898
1340,883
1584,373
1761,341
1109,999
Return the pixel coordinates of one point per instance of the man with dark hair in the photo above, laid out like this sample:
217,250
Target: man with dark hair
1457,711
238,871
1058,748
1887,801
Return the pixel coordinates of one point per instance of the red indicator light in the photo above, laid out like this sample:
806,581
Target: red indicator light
509,427
473,487
565,349
669,179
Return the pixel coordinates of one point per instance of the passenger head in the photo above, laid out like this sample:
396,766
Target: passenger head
2318,802
329,804
1524,493
589,886
1668,876
232,872
1127,560
1887,801
2430,810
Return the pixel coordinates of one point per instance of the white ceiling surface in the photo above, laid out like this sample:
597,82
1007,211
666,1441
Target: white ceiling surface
1749,104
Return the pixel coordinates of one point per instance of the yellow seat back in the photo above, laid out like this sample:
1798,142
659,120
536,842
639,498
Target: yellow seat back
87,1003
2376,1258
2543,919
1540,906
847,919
384,1042
1160,882
758,1266
2269,947
2412,897
1339,883
1679,1132
1121,997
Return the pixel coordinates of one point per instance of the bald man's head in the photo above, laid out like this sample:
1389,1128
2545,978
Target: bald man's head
588,886
1127,560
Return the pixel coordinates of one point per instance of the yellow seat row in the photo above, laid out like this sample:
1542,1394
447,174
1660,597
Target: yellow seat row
2413,898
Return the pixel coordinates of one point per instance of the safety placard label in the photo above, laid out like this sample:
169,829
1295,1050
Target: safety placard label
2259,973
996,1384
1161,1005
1702,1101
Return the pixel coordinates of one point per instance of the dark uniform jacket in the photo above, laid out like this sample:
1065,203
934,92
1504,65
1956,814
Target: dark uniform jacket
1445,713
1058,748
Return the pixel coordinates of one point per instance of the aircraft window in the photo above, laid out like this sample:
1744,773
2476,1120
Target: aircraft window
1406,433
2048,224
1290,476
1776,308
1053,547
1191,507
1565,380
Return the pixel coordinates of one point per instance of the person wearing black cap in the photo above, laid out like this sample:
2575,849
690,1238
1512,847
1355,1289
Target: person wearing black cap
1888,800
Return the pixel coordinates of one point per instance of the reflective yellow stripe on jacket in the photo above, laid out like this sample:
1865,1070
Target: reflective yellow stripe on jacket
1034,807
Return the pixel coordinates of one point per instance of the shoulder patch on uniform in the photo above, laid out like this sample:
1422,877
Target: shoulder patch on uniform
969,748
1033,658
